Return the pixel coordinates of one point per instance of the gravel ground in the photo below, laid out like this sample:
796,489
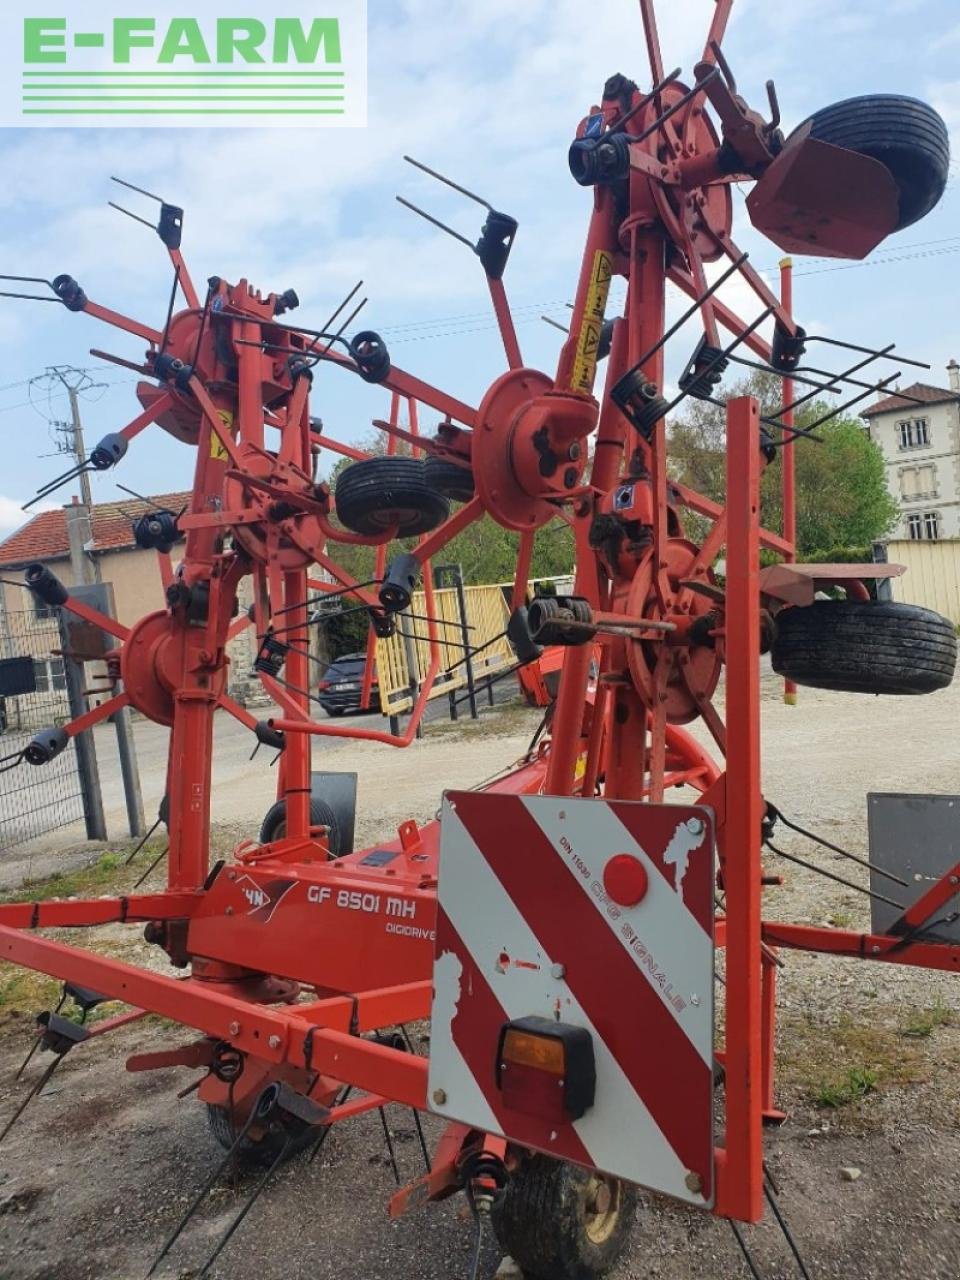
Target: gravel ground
103,1164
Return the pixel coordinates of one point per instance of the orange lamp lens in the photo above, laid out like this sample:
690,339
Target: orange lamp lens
543,1052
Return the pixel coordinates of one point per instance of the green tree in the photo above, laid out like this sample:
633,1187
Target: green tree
843,503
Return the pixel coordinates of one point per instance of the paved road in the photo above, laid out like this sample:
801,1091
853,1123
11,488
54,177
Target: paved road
243,788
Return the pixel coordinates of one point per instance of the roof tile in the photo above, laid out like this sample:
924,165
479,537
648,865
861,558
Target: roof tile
918,391
45,536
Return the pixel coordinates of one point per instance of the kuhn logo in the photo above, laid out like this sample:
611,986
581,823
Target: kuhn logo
100,65
253,893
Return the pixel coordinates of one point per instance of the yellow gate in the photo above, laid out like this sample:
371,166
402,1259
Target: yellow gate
487,615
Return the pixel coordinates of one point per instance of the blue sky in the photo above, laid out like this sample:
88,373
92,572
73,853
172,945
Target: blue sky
489,92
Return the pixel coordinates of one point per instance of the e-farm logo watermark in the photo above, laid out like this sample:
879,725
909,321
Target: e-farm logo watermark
100,64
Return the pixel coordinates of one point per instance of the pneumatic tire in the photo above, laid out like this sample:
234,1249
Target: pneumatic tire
904,134
380,493
448,478
857,646
261,1150
274,825
560,1222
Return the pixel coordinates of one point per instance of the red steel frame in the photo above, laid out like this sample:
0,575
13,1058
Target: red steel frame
626,732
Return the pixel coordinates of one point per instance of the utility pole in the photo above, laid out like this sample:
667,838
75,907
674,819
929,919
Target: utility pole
75,382
86,572
76,430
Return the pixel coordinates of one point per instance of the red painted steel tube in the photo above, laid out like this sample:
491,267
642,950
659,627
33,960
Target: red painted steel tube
185,279
431,543
366,735
96,714
250,359
707,507
142,420
190,767
610,450
788,456
601,237
863,946
296,754
740,1181
728,318
80,913
272,1034
98,619
123,322
405,384
718,28
380,566
505,323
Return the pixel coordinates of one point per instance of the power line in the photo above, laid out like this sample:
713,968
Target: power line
26,404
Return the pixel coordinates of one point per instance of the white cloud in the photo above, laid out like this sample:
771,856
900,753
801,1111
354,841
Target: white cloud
12,515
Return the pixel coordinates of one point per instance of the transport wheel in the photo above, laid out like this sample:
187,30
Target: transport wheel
865,647
560,1222
380,493
449,479
263,1148
274,825
904,134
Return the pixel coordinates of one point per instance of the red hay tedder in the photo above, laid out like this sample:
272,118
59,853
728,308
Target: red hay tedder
560,924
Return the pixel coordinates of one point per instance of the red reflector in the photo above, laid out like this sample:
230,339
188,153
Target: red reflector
625,879
323,684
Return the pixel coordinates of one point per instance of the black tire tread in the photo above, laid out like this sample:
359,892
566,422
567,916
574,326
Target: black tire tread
449,479
368,493
321,814
904,134
881,647
256,1152
537,1222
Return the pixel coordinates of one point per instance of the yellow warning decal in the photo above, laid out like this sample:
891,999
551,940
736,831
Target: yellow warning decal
217,450
581,767
591,326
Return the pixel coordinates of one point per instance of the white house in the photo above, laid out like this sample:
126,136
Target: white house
921,447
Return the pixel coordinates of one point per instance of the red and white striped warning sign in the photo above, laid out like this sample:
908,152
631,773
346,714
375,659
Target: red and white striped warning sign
597,914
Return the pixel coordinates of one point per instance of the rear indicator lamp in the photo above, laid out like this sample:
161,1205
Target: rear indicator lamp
546,1068
323,684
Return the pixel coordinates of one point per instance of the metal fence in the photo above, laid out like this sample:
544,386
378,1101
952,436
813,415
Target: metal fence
35,800
933,574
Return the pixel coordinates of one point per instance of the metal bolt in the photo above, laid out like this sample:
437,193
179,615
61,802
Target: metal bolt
954,880
439,1097
875,949
228,911
695,826
234,1028
557,971
694,1183
274,1042
695,1000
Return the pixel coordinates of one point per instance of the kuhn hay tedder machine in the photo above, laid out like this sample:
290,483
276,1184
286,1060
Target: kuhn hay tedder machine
562,924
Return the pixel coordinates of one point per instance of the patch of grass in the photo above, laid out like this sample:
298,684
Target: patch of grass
840,919
105,874
865,1058
925,1021
853,1085
23,992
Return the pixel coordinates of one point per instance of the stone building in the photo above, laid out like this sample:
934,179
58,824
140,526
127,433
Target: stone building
920,443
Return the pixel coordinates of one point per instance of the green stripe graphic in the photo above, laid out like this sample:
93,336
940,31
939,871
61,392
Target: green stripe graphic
182,97
181,111
254,74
